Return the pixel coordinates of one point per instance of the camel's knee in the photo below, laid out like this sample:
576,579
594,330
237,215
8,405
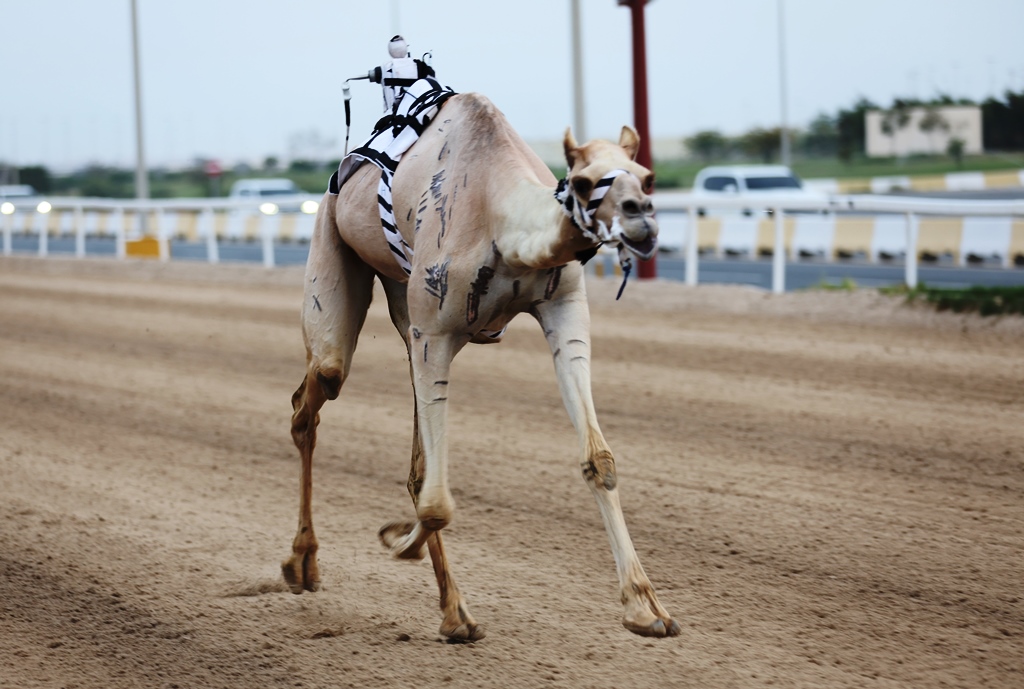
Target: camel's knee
599,470
308,400
330,380
435,508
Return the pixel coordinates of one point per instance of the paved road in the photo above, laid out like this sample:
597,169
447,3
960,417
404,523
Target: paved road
809,274
672,266
974,195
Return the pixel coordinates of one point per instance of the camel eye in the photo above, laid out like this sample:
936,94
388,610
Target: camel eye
582,186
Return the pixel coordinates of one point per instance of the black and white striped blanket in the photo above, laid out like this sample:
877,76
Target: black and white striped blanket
393,135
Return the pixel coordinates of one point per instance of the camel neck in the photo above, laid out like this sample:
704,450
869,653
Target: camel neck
538,233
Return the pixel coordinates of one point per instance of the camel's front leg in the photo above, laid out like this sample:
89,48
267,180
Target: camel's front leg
566,325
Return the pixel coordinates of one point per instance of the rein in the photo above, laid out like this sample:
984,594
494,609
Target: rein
582,216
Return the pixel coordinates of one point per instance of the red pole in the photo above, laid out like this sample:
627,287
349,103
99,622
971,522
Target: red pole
647,269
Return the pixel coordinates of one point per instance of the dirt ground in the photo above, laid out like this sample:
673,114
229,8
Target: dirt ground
827,490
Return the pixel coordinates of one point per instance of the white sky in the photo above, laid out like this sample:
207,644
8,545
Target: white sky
239,79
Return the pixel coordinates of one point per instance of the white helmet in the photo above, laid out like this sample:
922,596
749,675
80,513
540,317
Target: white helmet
397,47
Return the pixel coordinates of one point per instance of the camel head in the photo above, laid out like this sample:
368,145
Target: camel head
611,191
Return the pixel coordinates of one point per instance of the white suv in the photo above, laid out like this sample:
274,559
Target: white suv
268,188
759,183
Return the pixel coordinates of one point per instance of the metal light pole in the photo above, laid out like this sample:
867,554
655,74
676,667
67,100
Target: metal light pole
647,269
141,176
579,122
786,157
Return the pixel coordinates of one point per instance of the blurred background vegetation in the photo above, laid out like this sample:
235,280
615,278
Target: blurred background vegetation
831,146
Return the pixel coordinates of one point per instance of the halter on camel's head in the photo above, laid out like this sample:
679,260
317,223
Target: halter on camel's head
605,193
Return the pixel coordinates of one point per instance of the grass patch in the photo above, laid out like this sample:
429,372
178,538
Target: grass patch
672,174
844,285
986,301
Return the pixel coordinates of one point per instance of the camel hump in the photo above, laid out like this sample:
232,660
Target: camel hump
477,106
479,124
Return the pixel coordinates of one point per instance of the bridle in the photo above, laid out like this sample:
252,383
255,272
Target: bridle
582,214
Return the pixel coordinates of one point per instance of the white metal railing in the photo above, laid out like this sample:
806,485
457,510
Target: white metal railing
911,208
35,215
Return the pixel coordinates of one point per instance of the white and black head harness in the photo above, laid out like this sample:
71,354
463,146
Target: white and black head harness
582,215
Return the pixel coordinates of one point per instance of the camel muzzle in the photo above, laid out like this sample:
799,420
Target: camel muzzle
638,234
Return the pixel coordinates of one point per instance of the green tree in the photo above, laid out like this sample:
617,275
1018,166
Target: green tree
761,143
896,118
707,145
36,176
303,166
1002,122
101,181
821,138
956,150
933,121
850,129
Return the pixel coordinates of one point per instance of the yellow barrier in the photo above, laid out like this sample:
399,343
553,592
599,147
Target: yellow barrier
709,231
854,186
147,247
287,229
928,183
187,226
940,236
853,235
1016,240
766,235
600,269
1001,180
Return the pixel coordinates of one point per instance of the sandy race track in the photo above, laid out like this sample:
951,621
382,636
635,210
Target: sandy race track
826,489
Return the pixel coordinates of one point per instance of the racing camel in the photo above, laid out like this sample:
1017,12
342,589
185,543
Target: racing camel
490,240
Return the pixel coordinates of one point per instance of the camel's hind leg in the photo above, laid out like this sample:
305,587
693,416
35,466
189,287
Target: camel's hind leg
338,288
401,537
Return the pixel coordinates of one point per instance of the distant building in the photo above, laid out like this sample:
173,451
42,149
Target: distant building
945,122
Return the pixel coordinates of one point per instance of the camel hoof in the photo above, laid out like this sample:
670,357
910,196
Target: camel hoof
398,538
464,633
300,575
657,628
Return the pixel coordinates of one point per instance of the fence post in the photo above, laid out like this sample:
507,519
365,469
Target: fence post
212,250
163,249
79,232
692,248
120,245
779,255
8,230
910,276
267,231
43,225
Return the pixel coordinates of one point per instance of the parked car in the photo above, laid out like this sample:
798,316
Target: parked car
23,195
268,189
759,183
17,191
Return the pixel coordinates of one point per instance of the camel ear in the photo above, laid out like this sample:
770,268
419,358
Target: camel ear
630,141
570,146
